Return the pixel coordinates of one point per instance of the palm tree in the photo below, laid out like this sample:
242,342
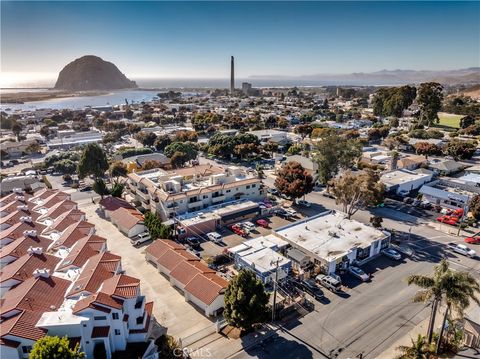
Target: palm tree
420,349
455,289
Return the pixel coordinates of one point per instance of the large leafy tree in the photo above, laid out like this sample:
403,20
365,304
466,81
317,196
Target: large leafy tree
155,226
293,180
55,348
392,101
245,301
93,161
455,289
474,206
429,98
467,121
334,152
356,190
460,149
161,142
427,149
187,148
146,138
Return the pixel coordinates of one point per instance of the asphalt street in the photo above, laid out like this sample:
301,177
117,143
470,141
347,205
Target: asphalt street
369,317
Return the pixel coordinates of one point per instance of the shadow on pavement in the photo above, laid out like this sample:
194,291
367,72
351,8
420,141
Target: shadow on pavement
276,346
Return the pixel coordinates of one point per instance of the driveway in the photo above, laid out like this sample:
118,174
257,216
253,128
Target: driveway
170,309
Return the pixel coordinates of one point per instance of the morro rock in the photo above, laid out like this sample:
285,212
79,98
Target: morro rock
92,73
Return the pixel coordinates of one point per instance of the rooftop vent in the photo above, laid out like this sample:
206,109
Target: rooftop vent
20,198
35,250
26,219
22,207
30,233
44,273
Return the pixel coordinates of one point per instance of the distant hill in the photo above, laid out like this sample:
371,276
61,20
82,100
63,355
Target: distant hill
92,73
388,77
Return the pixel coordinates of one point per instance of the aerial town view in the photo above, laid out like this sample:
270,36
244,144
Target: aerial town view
233,179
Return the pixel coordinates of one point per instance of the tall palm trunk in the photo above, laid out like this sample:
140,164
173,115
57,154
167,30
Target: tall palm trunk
440,337
431,324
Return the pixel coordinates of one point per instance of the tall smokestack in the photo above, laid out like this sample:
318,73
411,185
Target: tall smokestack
232,76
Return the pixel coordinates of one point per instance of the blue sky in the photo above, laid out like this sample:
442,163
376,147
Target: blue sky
196,39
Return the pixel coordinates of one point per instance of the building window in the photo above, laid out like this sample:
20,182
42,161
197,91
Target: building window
100,318
248,187
26,349
115,316
205,196
228,191
87,342
254,185
117,332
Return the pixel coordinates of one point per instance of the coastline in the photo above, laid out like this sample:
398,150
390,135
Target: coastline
22,97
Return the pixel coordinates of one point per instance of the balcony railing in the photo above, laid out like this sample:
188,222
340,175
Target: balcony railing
195,204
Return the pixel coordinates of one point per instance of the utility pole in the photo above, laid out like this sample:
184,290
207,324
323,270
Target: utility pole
275,289
465,212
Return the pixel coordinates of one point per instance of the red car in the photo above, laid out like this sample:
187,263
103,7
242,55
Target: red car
262,223
238,230
448,220
472,240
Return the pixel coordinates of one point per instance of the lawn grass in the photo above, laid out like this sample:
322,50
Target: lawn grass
449,120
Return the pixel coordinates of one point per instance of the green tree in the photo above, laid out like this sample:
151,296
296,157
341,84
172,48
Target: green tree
420,349
49,347
333,153
467,121
393,101
303,130
161,142
356,190
293,180
93,161
427,149
455,289
474,207
146,138
117,170
16,129
100,187
188,148
168,347
245,301
155,226
429,98
460,149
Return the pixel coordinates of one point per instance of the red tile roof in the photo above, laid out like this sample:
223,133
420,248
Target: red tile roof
121,285
12,197
19,247
68,218
16,231
73,233
35,295
160,246
98,301
205,289
59,208
100,332
187,270
14,217
113,203
126,217
171,258
23,267
23,325
98,268
51,200
82,250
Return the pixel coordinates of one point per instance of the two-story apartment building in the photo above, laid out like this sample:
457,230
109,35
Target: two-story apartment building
180,191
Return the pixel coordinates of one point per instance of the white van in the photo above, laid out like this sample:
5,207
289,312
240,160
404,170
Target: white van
140,238
214,237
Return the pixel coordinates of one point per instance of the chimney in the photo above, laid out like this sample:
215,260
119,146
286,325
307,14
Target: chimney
232,76
44,273
35,250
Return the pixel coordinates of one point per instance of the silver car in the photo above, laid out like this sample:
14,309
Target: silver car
392,254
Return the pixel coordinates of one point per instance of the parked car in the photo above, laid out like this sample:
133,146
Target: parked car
462,249
140,238
248,225
85,189
239,230
214,236
392,254
193,242
262,223
360,274
407,200
292,212
472,240
283,213
329,282
312,288
273,191
448,220
304,203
